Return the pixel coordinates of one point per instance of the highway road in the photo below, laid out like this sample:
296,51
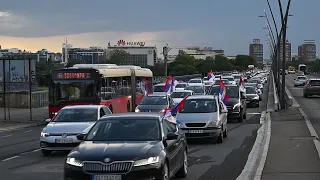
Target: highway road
21,159
310,105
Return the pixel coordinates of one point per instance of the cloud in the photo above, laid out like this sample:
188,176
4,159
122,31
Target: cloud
10,22
101,39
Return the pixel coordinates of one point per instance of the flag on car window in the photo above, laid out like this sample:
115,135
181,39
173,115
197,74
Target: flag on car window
172,112
167,87
223,93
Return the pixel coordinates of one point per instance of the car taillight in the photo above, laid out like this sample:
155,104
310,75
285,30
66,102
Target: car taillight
309,85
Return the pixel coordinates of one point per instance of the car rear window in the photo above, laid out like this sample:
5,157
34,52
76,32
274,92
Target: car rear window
314,82
302,77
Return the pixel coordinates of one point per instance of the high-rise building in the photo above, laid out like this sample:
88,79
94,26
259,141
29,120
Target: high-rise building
256,50
288,50
307,51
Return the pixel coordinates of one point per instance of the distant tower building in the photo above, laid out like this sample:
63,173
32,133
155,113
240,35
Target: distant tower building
256,50
288,50
307,51
65,47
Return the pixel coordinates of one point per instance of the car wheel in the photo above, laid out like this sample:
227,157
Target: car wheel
165,173
245,115
240,119
295,85
183,171
305,95
225,132
46,152
258,105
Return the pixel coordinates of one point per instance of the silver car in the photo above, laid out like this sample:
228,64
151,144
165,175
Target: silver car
300,81
177,96
61,132
203,116
311,88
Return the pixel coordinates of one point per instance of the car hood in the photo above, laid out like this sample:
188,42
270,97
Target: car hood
116,151
232,101
67,127
196,117
250,96
152,108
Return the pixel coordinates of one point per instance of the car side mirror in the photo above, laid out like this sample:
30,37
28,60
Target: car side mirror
81,137
171,136
224,111
48,120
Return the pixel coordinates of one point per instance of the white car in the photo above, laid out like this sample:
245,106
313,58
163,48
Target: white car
180,86
230,79
195,82
177,96
61,132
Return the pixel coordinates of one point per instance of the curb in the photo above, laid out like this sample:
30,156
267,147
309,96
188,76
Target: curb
253,163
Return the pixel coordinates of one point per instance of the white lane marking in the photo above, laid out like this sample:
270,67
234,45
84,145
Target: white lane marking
28,131
9,135
254,113
36,150
10,158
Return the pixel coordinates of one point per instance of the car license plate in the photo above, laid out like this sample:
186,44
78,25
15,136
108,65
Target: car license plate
195,131
107,177
65,140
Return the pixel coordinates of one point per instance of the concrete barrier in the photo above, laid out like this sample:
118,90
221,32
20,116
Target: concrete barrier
276,99
289,99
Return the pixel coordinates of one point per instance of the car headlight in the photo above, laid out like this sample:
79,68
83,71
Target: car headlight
236,106
256,98
137,110
74,162
213,124
143,162
44,134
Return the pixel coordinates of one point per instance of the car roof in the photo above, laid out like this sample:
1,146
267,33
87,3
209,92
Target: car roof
133,115
182,91
201,97
83,107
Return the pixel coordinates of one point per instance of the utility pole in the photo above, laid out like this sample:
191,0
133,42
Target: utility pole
165,52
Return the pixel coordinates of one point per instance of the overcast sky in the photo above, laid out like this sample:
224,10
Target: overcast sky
222,24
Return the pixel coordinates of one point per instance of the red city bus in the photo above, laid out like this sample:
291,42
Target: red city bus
114,86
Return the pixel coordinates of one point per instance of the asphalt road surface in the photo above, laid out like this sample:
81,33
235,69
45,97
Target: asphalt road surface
310,105
21,159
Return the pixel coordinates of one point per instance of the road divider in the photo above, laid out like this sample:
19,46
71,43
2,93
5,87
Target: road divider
275,95
259,150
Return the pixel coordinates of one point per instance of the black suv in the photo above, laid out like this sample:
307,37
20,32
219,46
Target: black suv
237,105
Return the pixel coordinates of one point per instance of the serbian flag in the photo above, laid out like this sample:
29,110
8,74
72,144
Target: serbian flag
172,112
242,88
210,76
223,94
168,86
173,84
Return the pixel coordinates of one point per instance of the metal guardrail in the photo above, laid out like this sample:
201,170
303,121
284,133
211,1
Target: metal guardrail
275,95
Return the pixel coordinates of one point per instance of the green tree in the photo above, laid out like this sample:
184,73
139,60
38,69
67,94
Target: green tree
184,64
116,56
244,60
222,63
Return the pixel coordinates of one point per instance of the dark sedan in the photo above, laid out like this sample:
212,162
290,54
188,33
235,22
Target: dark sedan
129,146
155,103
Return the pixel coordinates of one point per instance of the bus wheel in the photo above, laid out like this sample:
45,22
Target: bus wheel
111,109
128,107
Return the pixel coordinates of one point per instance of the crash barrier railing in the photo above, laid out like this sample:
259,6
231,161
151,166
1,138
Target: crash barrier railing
22,99
275,95
39,99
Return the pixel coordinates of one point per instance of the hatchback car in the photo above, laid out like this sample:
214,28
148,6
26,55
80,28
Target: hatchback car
203,117
180,86
252,96
61,132
230,79
129,146
155,103
259,92
300,81
311,88
195,82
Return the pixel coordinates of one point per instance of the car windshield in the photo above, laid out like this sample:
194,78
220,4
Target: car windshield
205,78
199,106
196,89
233,91
154,100
76,115
181,85
158,88
229,78
302,78
251,90
195,81
314,82
214,90
180,94
236,76
130,130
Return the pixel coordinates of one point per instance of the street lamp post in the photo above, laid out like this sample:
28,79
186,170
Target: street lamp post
284,21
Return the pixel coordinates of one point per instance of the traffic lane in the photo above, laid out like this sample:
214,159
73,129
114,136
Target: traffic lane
206,160
17,142
310,105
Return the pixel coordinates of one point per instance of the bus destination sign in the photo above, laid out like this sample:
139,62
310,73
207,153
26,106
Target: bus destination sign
72,75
